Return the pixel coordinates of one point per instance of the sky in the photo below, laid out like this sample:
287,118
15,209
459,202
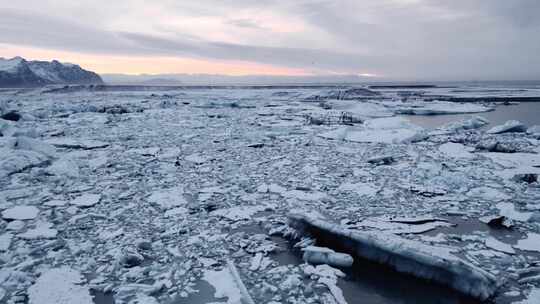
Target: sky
385,39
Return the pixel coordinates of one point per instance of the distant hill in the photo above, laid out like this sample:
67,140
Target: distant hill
216,79
18,72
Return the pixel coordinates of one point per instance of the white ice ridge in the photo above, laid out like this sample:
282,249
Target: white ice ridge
428,262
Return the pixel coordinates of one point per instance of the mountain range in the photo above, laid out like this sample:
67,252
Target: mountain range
19,72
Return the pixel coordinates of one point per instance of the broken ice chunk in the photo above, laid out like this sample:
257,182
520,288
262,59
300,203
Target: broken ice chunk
323,255
55,203
256,261
487,193
456,150
495,244
64,167
41,231
238,213
509,126
13,161
168,198
531,243
466,124
5,241
86,200
20,213
362,189
305,195
508,210
226,285
196,158
328,276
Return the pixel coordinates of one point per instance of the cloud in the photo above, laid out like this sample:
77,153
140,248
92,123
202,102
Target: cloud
470,39
245,23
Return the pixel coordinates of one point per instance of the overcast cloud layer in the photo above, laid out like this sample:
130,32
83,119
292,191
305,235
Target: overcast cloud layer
406,39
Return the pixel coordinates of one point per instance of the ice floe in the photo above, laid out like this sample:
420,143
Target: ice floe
59,286
531,243
20,213
86,200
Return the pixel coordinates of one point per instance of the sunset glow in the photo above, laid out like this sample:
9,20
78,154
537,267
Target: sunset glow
133,65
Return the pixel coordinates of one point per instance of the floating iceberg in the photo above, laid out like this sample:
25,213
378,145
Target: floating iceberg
407,256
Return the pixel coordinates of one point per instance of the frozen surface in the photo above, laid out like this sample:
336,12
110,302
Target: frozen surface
144,192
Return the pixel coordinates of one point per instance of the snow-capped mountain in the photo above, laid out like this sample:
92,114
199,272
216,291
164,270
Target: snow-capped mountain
18,72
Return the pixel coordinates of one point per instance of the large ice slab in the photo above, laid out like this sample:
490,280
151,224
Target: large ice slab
429,262
441,108
59,286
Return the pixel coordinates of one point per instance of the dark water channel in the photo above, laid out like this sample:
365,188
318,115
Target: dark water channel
526,112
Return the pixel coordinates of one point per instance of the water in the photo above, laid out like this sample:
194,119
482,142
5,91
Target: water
368,282
526,112
100,297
